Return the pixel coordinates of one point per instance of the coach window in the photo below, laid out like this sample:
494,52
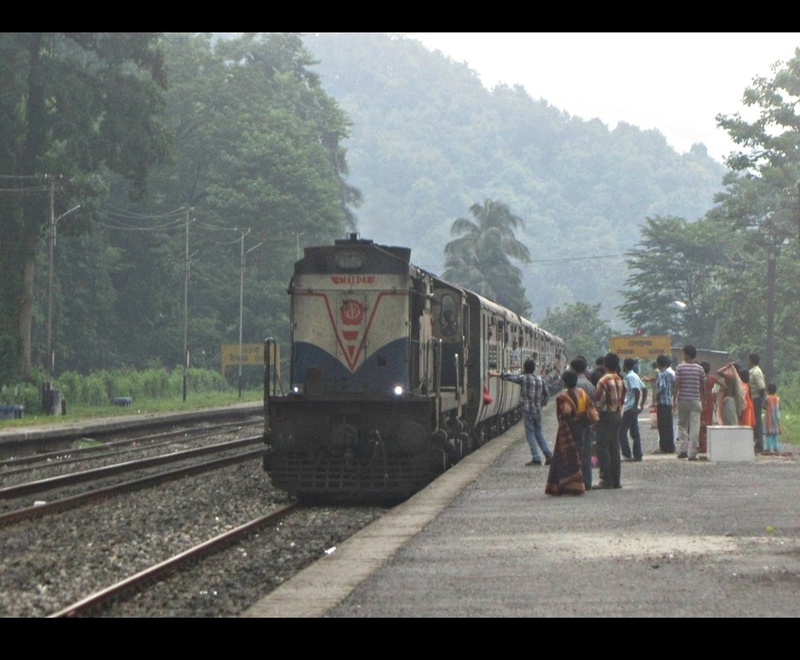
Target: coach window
448,320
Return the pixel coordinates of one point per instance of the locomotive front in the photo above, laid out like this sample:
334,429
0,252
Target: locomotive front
356,422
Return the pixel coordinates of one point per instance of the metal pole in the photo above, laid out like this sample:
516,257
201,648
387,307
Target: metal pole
241,299
51,244
51,239
241,303
186,309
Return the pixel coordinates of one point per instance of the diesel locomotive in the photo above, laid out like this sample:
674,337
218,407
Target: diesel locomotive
388,377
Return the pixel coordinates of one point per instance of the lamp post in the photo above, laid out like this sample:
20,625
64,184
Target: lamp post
188,259
241,302
52,242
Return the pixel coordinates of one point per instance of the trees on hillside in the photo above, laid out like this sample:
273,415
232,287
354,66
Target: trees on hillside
730,280
671,287
258,146
581,327
74,105
761,204
429,140
242,149
480,258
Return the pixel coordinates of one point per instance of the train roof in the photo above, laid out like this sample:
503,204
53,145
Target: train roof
311,263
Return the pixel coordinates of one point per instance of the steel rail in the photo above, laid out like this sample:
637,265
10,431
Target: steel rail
158,570
76,500
115,446
50,483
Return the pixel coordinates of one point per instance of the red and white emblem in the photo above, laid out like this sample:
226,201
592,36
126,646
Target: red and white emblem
351,313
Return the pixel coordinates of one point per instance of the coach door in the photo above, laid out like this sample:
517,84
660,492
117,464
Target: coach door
449,328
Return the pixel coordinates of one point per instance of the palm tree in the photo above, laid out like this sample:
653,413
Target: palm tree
480,258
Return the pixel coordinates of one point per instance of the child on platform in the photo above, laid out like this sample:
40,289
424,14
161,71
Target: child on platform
772,419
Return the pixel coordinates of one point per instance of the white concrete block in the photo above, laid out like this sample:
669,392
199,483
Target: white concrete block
730,443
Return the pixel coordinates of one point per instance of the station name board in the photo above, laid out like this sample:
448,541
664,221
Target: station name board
640,346
252,354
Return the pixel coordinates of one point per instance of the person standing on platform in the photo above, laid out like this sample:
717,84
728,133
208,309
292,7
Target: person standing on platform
599,370
687,400
534,395
758,392
709,407
565,476
635,399
772,419
746,415
609,396
730,395
665,383
579,366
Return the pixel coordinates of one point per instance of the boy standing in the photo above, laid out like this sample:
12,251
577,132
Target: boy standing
635,398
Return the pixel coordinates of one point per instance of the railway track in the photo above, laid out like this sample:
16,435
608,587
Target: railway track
156,572
68,472
97,474
87,535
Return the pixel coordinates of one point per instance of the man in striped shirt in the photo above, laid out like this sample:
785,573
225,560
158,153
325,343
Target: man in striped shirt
687,399
609,395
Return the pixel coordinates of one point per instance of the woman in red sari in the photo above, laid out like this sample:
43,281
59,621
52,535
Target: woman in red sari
566,476
709,407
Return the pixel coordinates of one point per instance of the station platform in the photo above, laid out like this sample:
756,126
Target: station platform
680,539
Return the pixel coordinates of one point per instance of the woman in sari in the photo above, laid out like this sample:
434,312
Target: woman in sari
747,416
566,476
731,402
709,407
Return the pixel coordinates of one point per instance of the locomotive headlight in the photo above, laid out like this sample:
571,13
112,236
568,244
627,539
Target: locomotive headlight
398,390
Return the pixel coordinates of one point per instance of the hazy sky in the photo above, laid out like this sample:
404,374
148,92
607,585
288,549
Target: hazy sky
675,82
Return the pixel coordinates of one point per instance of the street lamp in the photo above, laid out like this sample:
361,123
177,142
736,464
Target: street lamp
188,260
241,302
51,358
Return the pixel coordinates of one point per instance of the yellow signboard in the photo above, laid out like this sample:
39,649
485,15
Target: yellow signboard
252,354
640,346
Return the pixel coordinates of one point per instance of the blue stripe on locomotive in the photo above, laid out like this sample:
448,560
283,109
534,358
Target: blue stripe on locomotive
377,376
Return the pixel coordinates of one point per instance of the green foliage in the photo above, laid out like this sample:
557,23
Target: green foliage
74,105
428,140
727,281
672,287
99,388
480,258
10,348
259,126
760,208
789,392
22,394
258,157
581,327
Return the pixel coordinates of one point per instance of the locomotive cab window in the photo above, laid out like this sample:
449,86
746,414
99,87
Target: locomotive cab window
448,320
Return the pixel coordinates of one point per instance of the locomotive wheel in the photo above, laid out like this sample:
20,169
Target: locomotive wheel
479,436
466,444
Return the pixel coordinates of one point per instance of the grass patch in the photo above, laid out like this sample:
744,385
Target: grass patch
194,401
